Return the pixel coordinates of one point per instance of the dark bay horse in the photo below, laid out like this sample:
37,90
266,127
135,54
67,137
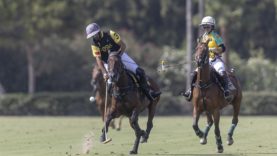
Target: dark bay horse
129,100
208,97
99,90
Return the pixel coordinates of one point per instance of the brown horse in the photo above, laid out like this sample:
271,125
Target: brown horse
98,84
208,97
129,100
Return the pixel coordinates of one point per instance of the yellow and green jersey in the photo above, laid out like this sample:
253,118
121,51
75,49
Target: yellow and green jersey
215,42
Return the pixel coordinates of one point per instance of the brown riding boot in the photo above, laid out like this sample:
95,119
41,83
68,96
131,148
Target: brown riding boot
151,94
227,86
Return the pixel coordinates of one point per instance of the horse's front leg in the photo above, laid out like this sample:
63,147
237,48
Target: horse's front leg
196,115
151,113
103,137
134,124
203,140
216,116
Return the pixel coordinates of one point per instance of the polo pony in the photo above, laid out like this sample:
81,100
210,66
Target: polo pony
209,97
98,84
129,100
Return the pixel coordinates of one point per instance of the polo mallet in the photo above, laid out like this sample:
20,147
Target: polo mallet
105,118
164,66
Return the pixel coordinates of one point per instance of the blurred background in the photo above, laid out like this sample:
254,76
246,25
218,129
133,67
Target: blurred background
46,60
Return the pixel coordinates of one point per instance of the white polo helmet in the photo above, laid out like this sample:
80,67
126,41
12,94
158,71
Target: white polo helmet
92,29
208,20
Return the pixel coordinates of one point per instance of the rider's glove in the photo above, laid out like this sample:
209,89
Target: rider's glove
213,50
106,76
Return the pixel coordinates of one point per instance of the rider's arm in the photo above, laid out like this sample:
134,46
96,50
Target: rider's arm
221,49
115,36
101,65
122,46
97,54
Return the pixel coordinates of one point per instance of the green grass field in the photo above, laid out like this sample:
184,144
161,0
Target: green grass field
65,136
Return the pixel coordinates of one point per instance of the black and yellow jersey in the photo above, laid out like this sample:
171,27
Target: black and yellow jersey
109,42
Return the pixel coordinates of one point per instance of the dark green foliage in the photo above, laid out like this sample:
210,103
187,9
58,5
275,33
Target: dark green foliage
55,31
259,103
47,104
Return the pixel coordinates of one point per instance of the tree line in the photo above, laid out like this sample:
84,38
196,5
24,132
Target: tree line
43,45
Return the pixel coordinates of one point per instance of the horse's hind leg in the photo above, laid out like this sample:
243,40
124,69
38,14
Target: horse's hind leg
134,124
195,127
151,113
216,116
118,125
235,120
203,140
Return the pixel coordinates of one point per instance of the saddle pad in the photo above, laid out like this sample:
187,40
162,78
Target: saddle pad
133,77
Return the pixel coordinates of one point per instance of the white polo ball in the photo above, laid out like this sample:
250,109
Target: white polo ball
91,99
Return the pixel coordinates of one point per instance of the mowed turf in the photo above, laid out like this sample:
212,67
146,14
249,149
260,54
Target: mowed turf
66,136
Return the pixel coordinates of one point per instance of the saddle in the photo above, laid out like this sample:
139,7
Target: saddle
217,79
133,84
134,77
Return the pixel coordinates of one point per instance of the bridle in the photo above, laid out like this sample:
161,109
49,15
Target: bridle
115,66
203,58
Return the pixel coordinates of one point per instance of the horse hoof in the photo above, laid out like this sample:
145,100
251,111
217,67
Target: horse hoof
203,141
230,141
133,152
220,149
118,129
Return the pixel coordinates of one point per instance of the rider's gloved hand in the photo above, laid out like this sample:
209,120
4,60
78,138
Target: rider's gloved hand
213,50
106,76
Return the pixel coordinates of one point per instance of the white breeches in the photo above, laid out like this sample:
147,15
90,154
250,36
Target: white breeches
128,62
218,65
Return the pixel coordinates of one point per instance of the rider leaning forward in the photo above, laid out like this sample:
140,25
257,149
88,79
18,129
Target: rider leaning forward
103,42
